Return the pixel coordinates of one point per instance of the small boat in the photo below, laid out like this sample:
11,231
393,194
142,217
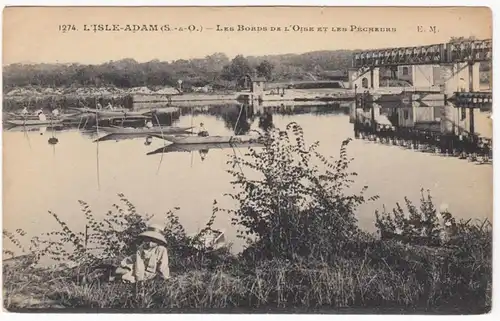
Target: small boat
94,111
179,148
154,130
21,117
190,139
34,128
33,122
119,137
212,240
120,114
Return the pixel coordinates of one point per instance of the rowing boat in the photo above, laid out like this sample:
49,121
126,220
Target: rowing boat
154,130
123,114
94,111
34,128
33,122
210,240
119,137
118,113
190,139
21,117
179,148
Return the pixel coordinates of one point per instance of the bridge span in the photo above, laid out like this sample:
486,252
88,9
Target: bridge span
455,63
450,68
471,51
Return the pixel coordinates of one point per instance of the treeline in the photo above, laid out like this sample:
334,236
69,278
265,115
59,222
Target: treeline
216,69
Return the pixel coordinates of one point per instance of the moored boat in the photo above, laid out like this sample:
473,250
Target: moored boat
33,122
191,139
155,130
120,137
123,114
211,240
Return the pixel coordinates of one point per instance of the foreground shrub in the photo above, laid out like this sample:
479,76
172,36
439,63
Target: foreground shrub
294,208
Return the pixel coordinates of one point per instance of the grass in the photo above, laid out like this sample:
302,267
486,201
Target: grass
384,274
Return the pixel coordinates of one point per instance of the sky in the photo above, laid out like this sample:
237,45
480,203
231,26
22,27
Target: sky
33,34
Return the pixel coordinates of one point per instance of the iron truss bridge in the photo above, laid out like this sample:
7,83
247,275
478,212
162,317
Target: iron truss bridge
444,53
471,99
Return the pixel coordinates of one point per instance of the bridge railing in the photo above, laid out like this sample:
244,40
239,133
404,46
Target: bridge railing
465,51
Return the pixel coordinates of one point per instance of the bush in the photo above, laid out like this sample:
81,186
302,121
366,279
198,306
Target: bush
107,241
294,209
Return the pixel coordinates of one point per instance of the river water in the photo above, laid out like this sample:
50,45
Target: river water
39,177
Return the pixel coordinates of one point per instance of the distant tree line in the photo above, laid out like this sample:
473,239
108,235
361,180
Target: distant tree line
217,70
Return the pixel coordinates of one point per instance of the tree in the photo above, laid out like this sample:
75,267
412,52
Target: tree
238,68
265,69
460,39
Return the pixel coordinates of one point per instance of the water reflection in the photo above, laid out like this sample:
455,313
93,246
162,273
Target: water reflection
179,148
441,130
157,175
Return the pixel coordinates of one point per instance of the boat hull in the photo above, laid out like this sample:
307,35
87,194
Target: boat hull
29,122
210,139
155,130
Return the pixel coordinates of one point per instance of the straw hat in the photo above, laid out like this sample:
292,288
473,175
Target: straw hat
155,232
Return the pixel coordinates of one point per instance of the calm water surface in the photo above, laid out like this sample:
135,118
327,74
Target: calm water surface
39,177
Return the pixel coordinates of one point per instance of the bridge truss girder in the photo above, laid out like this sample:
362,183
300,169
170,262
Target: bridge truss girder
445,53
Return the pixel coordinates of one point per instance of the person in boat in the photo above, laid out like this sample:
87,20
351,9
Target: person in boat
148,140
203,154
55,112
110,107
41,115
24,112
202,131
149,261
98,106
148,123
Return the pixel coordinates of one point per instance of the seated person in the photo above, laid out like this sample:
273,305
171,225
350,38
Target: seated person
150,259
202,131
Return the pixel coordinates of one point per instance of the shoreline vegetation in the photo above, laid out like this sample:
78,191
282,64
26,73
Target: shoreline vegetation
48,85
304,253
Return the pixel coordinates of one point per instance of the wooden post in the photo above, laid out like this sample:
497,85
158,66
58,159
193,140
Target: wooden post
471,107
371,78
374,124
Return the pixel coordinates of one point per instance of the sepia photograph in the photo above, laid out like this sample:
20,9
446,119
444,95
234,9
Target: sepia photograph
333,160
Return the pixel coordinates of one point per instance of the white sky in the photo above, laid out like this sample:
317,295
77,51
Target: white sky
31,35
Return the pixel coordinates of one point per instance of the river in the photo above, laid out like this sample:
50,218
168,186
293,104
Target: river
39,177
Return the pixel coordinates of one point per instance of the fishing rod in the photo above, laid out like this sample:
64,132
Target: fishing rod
97,148
164,143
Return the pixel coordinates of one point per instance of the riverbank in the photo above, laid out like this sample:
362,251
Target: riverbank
383,276
144,97
305,251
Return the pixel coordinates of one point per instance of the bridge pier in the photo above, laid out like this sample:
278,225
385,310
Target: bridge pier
459,77
423,76
365,78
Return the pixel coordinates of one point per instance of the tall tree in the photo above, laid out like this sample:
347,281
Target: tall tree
265,69
238,68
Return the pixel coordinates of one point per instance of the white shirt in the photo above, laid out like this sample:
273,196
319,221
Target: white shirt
145,264
149,124
24,111
41,116
55,112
